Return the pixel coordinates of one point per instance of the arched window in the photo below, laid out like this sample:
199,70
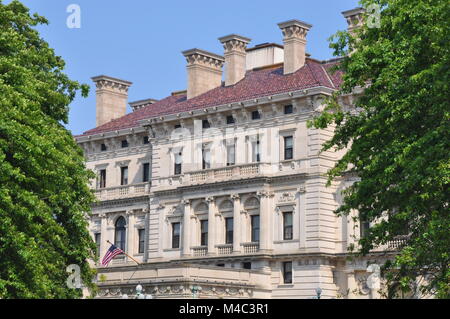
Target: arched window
119,239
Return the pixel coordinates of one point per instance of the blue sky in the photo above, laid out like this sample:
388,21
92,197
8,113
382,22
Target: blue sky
141,40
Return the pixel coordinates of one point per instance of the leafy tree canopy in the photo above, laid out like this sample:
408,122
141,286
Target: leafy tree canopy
398,143
43,180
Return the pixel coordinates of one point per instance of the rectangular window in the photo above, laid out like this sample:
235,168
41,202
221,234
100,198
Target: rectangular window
363,227
124,143
176,235
103,147
146,172
247,265
287,272
288,148
205,124
204,232
256,156
206,158
97,243
288,109
102,176
229,230
124,175
255,228
231,154
287,226
230,119
141,233
178,159
256,115
364,231
145,140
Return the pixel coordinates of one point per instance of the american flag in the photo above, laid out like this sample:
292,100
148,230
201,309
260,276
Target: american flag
112,252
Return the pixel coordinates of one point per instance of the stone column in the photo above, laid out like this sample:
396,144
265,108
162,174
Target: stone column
266,236
130,227
236,223
147,233
186,230
211,226
103,235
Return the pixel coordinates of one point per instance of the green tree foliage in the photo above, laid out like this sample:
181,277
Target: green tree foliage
399,143
43,180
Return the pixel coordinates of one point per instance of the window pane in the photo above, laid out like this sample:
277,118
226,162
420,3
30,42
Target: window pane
255,228
120,233
231,154
124,175
229,230
97,243
176,235
287,226
204,232
287,272
288,109
146,172
288,147
102,183
141,240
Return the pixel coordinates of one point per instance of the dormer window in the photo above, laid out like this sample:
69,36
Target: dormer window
177,126
230,119
124,143
103,147
256,115
145,140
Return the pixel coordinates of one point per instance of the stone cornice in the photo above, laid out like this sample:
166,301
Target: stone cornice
103,82
203,58
234,42
294,29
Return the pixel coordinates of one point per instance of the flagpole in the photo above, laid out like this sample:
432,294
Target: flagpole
125,253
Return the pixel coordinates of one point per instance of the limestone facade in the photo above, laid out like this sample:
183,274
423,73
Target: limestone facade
232,197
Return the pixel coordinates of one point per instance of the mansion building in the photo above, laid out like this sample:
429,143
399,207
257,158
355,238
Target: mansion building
221,189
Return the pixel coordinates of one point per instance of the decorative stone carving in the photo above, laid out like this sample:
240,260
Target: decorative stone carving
235,196
203,58
301,189
286,197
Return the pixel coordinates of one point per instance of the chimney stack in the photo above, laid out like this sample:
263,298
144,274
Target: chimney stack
204,71
235,57
294,32
354,18
111,98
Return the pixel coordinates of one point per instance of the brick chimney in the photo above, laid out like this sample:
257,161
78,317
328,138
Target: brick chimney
354,18
294,32
235,57
204,71
111,98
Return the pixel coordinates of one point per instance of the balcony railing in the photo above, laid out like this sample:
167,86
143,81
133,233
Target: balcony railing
199,251
226,249
124,191
250,248
224,173
397,242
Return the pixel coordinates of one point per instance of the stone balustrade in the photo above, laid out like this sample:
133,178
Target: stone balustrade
225,249
250,248
124,191
199,251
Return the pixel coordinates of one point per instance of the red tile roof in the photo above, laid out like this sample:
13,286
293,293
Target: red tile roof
256,84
